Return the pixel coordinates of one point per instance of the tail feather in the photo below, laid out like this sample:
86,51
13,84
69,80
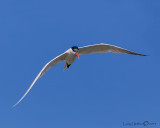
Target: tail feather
65,66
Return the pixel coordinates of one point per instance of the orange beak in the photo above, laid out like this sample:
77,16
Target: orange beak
77,54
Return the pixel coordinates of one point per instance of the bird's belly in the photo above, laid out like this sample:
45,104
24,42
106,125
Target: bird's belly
70,59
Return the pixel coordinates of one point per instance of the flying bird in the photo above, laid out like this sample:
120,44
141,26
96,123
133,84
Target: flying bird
71,54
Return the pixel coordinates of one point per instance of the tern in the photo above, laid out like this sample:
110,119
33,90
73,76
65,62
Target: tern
71,54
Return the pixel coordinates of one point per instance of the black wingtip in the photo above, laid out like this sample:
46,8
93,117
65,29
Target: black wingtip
143,55
138,54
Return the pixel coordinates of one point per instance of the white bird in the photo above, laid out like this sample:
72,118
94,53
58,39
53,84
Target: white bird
70,55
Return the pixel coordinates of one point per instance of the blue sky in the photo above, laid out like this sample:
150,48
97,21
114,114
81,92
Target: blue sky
99,90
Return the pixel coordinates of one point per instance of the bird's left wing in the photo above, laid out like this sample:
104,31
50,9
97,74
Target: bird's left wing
50,64
104,48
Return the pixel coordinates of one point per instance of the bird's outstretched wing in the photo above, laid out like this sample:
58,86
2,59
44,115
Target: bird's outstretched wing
50,64
104,48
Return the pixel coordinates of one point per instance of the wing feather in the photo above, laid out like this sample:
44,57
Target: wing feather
104,48
50,64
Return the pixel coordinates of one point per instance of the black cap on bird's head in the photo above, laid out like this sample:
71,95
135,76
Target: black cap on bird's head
76,50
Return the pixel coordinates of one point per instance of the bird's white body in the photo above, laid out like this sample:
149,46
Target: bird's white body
70,58
70,55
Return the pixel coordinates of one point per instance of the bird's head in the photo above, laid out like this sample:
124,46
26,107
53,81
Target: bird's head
75,49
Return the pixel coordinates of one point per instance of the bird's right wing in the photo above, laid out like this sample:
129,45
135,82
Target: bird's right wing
104,48
50,64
